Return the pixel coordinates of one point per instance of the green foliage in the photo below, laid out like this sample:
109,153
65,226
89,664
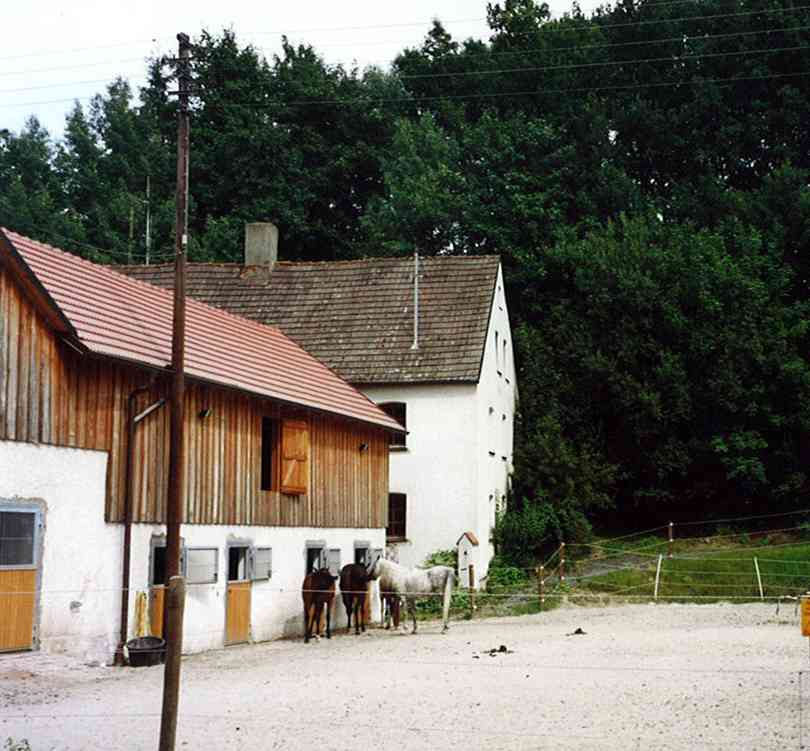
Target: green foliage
12,745
442,558
652,215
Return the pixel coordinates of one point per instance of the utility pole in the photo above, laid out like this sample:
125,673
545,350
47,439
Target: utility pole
174,615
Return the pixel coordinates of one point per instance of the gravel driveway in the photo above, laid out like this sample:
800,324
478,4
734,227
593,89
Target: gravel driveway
640,677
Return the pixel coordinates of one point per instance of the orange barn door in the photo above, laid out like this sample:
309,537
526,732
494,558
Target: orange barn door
18,577
156,599
237,602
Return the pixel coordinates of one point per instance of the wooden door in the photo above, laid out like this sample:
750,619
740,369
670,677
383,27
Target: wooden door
237,618
156,600
237,601
18,577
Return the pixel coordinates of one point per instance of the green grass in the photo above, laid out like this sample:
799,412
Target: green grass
708,572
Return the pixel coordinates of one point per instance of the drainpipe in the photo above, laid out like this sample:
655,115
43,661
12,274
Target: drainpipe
132,422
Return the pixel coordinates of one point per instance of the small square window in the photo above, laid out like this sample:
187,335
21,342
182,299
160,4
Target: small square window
202,565
262,563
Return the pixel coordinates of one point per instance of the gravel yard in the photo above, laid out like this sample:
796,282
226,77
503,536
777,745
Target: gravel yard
640,677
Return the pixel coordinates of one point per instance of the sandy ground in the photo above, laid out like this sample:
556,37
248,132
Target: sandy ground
641,677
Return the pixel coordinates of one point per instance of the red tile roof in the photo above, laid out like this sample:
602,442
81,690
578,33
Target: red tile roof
120,317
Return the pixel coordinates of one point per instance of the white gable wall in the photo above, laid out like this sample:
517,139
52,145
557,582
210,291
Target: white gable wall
459,450
437,471
495,403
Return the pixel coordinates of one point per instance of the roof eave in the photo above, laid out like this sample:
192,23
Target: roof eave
37,292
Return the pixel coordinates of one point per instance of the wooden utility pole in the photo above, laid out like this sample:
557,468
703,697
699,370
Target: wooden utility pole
175,603
173,623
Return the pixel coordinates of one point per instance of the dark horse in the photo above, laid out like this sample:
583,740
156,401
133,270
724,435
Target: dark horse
354,579
318,591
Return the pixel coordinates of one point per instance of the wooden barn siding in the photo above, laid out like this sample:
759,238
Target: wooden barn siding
53,395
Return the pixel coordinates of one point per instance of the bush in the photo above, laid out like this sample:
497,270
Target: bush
442,558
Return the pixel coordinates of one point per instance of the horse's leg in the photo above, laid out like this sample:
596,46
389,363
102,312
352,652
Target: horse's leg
307,611
328,619
412,610
347,605
362,609
448,595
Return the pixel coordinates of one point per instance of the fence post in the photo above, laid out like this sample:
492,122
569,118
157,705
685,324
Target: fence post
658,576
562,561
671,539
541,586
759,579
471,573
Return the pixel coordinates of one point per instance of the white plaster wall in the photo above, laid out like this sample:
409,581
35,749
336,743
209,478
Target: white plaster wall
80,581
495,402
276,604
460,450
438,469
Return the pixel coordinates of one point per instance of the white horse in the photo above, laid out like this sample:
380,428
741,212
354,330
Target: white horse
412,583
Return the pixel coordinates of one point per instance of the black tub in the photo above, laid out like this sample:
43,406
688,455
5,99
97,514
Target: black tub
145,651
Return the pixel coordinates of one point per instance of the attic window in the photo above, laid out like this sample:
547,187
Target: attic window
398,411
269,449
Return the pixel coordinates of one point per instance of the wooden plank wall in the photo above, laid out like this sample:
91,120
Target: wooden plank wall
53,395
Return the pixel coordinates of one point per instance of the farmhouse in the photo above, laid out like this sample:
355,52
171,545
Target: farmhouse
428,339
287,465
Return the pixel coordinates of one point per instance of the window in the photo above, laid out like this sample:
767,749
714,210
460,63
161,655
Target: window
238,563
269,450
398,411
158,561
17,535
316,555
262,563
333,561
397,504
202,565
361,551
294,457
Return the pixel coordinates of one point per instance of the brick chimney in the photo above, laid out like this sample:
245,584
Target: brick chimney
261,244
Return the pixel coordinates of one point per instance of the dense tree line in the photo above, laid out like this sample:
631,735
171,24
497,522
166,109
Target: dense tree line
642,171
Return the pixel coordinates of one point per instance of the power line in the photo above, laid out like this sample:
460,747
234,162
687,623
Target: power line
669,58
485,55
494,71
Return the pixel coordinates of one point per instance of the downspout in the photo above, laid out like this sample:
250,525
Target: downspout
132,422
415,344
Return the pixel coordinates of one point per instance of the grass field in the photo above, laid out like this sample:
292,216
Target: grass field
715,569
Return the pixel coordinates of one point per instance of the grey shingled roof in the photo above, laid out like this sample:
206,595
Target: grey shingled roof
357,316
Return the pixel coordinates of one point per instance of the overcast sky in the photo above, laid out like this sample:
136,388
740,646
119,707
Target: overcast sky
55,51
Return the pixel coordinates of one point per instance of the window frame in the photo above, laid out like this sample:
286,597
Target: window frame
396,441
364,545
192,548
388,533
254,575
160,541
333,561
15,508
319,545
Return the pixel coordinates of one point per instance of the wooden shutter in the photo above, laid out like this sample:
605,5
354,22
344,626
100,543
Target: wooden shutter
294,457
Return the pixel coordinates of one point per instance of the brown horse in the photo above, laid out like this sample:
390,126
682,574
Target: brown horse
354,581
318,591
391,604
